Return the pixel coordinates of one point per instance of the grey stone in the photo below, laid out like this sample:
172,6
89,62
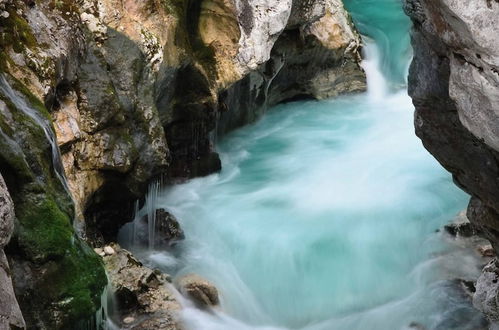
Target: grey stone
10,313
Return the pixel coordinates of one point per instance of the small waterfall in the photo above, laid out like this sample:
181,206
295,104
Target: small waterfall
102,318
45,124
136,234
151,201
377,87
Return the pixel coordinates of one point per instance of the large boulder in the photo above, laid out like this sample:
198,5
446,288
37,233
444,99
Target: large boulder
144,297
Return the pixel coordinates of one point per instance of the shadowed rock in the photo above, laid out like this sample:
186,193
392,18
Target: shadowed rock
10,314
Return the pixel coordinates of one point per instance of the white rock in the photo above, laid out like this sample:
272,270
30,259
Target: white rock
5,14
108,250
269,19
128,320
94,25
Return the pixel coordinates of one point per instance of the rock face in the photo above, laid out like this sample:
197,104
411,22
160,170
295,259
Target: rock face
454,84
487,291
10,314
135,90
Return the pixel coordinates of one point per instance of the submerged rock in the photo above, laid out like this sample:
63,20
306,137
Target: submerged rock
144,297
167,230
203,293
416,326
461,226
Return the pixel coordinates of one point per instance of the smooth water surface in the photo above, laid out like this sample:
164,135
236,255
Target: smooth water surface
325,213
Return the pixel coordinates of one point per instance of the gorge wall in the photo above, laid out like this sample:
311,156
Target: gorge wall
454,84
100,97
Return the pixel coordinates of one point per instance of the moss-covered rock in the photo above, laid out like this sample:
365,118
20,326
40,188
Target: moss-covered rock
57,278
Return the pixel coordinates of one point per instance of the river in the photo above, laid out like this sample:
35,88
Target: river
326,213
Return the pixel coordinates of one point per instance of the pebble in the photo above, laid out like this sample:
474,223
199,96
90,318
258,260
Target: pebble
486,250
108,250
5,14
128,320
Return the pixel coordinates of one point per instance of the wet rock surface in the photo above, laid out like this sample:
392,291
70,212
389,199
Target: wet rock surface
199,290
144,298
167,231
461,226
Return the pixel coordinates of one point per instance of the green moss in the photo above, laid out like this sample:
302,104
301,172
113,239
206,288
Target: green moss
45,232
76,283
68,276
74,276
15,32
66,7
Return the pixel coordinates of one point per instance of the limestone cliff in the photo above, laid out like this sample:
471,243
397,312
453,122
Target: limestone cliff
454,84
134,90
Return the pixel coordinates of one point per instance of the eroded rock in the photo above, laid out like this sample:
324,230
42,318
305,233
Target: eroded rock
143,296
203,293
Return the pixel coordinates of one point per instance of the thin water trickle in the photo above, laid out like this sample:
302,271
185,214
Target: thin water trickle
44,123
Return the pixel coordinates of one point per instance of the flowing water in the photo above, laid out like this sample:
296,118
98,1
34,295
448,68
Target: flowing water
41,121
325,213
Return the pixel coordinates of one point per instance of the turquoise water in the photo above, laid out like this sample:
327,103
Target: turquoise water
384,21
325,213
